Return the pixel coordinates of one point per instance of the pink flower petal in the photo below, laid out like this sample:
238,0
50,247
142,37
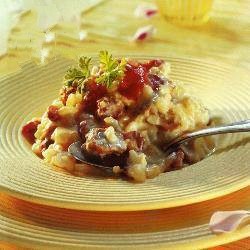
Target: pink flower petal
227,221
144,33
145,11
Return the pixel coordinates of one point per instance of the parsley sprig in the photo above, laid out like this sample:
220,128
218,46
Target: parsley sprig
80,74
112,69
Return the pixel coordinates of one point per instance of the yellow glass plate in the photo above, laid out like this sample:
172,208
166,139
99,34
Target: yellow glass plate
42,227
224,89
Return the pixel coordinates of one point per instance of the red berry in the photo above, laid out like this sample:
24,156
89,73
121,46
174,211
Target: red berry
29,130
53,114
136,76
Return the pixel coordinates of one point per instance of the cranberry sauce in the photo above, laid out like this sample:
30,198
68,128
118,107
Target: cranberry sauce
94,92
133,82
136,77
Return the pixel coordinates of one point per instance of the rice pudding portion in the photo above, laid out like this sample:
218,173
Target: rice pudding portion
123,111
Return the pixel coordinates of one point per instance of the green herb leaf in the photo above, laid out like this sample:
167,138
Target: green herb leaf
80,74
84,64
71,75
112,69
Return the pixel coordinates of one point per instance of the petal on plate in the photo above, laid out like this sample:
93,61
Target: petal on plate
144,33
227,221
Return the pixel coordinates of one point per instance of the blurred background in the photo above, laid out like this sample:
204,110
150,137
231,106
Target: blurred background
44,29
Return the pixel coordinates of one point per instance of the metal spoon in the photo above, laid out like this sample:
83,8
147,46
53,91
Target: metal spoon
242,126
76,150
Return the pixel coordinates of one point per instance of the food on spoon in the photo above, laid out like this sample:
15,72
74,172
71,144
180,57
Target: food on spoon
124,111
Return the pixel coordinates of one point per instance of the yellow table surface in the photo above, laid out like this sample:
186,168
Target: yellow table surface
110,24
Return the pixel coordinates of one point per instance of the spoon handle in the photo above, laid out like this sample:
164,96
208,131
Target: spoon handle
242,126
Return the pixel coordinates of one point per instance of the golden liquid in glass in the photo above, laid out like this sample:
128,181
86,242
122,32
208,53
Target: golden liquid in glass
185,12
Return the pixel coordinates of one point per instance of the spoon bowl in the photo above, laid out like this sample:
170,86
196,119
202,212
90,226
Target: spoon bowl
242,126
75,149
